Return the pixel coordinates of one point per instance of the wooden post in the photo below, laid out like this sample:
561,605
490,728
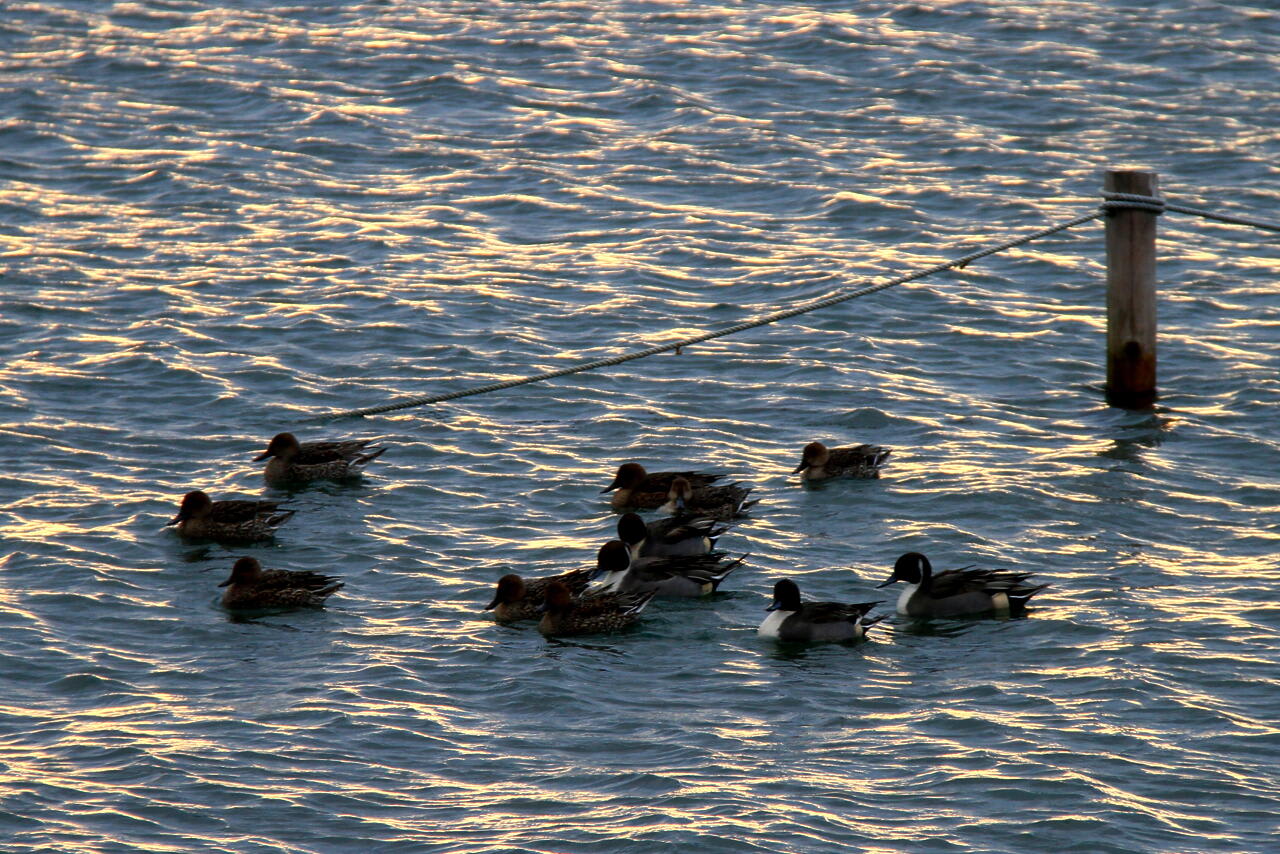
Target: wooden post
1131,294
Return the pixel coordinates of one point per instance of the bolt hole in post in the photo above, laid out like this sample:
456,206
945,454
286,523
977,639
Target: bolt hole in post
1131,293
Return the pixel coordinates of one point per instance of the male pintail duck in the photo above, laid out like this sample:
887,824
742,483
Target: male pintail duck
564,615
694,575
721,503
793,620
959,592
674,536
300,462
637,488
236,521
818,462
250,588
521,599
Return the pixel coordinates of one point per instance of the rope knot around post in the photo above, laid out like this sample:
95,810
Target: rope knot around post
1114,202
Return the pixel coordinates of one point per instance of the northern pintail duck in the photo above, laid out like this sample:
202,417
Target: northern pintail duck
251,588
637,488
959,592
790,619
521,599
694,575
300,462
674,536
721,503
818,462
564,615
235,521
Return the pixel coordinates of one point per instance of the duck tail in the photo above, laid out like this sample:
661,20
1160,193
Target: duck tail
364,459
726,570
326,592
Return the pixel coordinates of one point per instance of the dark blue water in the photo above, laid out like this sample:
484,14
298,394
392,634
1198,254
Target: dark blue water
220,222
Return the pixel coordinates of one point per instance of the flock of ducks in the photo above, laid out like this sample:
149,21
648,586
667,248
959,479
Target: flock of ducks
671,556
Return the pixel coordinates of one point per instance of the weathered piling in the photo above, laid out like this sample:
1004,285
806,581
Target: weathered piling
1131,293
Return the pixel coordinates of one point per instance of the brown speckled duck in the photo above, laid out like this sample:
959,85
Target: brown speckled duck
200,517
818,462
521,599
639,489
302,462
720,503
251,588
565,615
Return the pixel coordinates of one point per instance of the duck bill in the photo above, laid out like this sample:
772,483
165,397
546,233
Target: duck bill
262,456
891,580
226,583
176,519
611,487
492,604
775,606
800,468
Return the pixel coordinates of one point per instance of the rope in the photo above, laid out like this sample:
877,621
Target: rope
1157,205
774,317
1112,202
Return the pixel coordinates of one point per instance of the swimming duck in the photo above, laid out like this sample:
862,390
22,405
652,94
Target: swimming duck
236,521
250,588
675,536
793,620
693,575
720,503
638,488
564,615
818,462
958,592
519,599
300,462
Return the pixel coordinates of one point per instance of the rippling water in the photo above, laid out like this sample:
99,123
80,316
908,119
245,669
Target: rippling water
219,222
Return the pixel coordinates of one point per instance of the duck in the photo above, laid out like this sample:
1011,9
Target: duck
564,615
201,517
302,462
721,503
251,588
818,462
518,598
959,592
674,536
674,577
790,619
636,488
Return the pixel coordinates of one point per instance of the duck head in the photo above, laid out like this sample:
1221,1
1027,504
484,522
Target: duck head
282,445
814,455
194,503
510,590
245,571
912,567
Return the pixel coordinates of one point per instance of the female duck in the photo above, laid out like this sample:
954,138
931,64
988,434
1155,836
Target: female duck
519,599
250,588
232,521
959,592
721,503
818,462
637,488
301,462
790,619
565,615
